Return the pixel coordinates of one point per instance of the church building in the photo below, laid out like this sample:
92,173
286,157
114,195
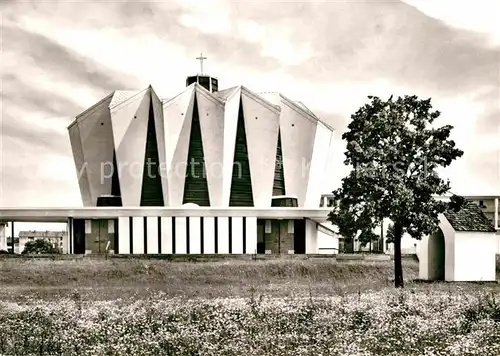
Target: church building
204,147
207,147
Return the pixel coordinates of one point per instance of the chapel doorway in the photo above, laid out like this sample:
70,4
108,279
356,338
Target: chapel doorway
436,256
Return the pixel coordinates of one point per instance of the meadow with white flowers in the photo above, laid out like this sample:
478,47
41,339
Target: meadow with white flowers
311,307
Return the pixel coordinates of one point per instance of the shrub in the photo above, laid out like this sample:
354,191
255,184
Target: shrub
40,246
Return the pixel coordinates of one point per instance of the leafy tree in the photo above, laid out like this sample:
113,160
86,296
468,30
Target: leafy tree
348,224
395,153
367,236
389,237
40,246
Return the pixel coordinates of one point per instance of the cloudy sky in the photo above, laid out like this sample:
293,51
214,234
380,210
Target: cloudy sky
59,58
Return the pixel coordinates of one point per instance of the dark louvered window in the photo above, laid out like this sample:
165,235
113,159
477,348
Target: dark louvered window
279,177
152,193
196,187
241,183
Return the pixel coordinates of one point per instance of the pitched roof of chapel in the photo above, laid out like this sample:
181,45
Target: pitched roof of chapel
469,218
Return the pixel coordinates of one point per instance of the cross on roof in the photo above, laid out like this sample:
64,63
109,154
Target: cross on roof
201,58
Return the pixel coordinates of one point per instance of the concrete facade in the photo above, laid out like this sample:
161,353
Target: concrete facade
116,128
184,230
248,147
306,146
187,235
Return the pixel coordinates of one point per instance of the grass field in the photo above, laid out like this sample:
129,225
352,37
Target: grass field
101,279
276,307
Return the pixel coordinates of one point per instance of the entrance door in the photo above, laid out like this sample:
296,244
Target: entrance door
299,236
261,245
99,233
102,235
79,236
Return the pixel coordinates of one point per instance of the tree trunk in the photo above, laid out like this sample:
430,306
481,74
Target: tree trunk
398,268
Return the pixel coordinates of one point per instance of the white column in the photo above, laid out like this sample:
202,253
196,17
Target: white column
194,235
223,235
496,225
209,235
237,235
496,213
69,234
166,235
251,227
138,235
311,237
180,236
152,229
123,235
3,239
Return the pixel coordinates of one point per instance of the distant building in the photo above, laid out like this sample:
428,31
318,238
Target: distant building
489,205
327,201
58,239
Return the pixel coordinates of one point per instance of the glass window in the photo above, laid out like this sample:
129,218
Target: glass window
88,226
190,80
204,82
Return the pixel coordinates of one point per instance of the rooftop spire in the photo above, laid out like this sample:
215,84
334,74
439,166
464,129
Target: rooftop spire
206,81
201,58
